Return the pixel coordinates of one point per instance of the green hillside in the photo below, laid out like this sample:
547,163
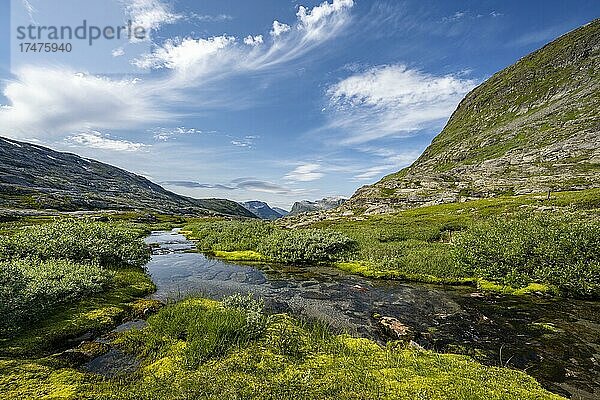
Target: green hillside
531,127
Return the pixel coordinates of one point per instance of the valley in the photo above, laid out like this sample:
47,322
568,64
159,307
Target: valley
473,273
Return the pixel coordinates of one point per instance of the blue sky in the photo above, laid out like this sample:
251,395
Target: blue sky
271,100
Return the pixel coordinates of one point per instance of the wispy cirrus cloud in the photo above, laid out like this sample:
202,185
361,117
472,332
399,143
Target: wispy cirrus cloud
386,161
246,141
539,36
210,18
53,101
393,100
225,55
151,14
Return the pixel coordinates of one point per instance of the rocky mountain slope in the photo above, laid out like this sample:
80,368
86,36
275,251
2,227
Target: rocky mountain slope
281,211
262,210
304,206
532,127
36,177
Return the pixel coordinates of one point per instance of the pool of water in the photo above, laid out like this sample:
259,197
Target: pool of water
555,340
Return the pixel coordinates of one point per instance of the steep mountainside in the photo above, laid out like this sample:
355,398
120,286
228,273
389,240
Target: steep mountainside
35,177
532,127
281,211
304,206
262,210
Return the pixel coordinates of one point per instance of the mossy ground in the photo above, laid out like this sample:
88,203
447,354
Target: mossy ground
289,360
247,255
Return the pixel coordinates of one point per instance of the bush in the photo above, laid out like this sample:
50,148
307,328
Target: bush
77,240
307,246
31,288
293,246
558,251
230,235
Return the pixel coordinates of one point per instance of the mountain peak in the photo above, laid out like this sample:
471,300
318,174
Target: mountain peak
263,210
326,203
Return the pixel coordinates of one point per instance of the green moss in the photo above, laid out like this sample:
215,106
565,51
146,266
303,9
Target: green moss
247,255
544,327
532,288
29,379
372,271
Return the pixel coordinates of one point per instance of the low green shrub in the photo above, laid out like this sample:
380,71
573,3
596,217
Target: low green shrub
276,244
31,288
229,235
555,250
109,245
306,246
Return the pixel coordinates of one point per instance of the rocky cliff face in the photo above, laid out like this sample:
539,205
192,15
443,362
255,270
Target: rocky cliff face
305,206
35,177
532,127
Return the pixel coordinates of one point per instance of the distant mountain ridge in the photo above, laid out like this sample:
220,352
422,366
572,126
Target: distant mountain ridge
305,206
263,211
281,211
532,127
36,177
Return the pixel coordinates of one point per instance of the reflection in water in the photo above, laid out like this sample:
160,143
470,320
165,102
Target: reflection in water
556,341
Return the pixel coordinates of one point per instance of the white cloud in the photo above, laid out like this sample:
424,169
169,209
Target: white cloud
393,100
538,37
164,134
30,10
253,40
183,54
223,55
97,140
305,173
389,161
279,28
455,17
317,21
150,14
246,141
52,101
243,184
211,18
46,101
372,172
118,52
392,156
